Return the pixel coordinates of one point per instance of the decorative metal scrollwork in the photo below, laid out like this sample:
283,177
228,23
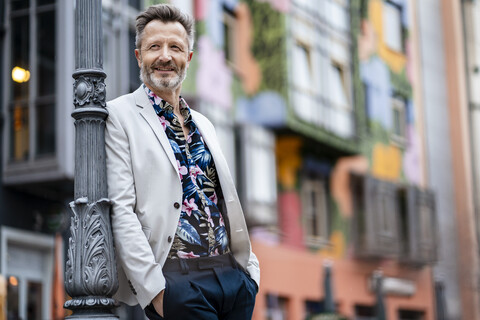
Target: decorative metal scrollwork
89,89
90,269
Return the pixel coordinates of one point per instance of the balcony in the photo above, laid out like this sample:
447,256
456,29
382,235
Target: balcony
393,221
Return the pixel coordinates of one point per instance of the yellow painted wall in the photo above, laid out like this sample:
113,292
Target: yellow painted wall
395,60
386,162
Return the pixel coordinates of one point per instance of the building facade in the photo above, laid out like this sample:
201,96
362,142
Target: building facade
37,161
350,151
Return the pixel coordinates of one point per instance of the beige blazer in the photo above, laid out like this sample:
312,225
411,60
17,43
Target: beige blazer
144,185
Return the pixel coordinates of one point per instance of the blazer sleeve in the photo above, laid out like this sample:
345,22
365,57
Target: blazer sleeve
253,268
133,251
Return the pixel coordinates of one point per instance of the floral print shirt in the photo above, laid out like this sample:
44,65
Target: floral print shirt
201,228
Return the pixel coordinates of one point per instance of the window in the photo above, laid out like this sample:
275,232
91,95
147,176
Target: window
315,211
315,310
229,22
338,86
137,4
120,63
134,72
393,221
338,15
426,222
259,188
392,26
31,100
399,120
385,213
312,308
383,203
419,226
410,315
319,70
377,217
277,307
13,297
27,263
364,313
302,76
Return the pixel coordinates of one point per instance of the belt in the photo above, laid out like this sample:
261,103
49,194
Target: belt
199,264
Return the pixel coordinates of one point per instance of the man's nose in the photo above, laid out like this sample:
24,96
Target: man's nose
164,55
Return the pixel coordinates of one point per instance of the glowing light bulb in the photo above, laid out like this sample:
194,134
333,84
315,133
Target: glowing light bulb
13,281
20,75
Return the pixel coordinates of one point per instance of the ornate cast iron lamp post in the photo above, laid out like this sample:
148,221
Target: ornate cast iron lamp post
90,275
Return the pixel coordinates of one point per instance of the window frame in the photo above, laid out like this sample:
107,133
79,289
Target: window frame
405,241
258,211
33,100
118,27
399,104
419,250
229,21
310,100
371,239
277,306
320,212
59,164
390,5
305,46
35,241
345,76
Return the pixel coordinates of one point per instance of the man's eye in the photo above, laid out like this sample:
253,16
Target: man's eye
154,46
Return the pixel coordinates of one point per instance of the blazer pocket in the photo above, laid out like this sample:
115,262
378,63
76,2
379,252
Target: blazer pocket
148,232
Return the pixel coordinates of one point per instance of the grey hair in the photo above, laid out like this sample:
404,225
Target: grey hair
165,13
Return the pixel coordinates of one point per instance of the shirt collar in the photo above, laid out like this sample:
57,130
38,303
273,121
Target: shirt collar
162,106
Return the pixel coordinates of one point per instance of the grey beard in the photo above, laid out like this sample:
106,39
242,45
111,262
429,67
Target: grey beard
162,84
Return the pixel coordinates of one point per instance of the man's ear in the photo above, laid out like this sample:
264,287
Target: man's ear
190,55
138,55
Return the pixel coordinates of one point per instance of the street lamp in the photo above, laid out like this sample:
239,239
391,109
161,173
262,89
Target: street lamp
90,274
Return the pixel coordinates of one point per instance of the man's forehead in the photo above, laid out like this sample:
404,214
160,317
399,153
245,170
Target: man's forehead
157,28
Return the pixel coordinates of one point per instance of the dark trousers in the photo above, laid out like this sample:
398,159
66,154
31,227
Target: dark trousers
210,288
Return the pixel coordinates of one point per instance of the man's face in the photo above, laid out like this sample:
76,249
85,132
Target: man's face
164,55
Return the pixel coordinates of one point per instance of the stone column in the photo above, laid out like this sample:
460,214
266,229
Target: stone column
90,275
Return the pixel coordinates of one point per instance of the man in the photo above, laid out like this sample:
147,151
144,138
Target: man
181,240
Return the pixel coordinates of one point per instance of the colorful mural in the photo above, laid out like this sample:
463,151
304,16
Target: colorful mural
340,181
253,80
252,83
280,5
386,162
245,64
214,77
289,162
376,76
394,59
268,45
266,108
386,74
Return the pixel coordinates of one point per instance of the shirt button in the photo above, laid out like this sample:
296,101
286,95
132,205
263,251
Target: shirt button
176,205
169,239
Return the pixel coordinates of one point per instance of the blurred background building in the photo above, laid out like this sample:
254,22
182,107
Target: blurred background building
351,127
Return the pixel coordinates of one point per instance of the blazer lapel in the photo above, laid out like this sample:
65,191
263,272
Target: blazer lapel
148,113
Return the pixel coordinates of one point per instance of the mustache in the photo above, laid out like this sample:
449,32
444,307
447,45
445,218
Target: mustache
164,65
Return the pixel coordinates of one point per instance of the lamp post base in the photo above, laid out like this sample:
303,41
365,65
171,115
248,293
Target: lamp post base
99,308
